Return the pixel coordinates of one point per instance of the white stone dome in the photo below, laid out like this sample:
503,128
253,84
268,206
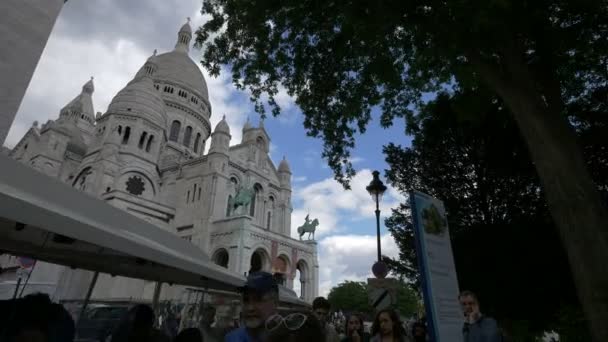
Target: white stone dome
140,98
284,166
177,67
222,126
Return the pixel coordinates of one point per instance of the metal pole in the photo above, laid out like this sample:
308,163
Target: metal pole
29,274
88,296
185,311
378,227
17,288
156,295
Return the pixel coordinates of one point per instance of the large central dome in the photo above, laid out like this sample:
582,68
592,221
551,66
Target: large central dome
177,67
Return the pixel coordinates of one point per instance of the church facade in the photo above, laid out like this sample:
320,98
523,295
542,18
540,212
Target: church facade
146,155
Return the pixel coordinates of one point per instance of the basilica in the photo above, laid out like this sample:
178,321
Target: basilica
148,155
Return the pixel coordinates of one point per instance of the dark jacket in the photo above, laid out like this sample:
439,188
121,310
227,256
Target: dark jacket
484,329
365,337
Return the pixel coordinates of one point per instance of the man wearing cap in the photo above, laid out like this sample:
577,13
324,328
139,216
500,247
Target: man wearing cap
260,299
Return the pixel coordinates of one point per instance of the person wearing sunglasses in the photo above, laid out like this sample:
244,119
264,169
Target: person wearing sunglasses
260,298
294,327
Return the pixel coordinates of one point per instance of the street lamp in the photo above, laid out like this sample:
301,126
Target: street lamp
376,189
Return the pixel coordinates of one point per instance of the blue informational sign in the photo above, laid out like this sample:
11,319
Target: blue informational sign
437,270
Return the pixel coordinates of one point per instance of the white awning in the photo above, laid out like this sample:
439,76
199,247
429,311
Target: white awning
37,212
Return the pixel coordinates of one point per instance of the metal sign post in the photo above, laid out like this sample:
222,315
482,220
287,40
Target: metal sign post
87,298
382,293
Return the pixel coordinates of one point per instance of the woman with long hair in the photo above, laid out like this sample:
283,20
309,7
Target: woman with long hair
354,329
387,328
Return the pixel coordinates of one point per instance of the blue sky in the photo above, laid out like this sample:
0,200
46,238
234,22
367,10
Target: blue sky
113,38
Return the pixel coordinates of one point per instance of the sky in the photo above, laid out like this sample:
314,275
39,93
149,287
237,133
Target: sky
111,40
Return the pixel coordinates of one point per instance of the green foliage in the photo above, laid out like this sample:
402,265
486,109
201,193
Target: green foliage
505,245
351,296
341,59
568,325
543,59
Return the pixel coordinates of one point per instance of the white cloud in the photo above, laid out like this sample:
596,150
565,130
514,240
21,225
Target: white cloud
356,160
299,179
350,257
289,111
71,57
64,67
334,207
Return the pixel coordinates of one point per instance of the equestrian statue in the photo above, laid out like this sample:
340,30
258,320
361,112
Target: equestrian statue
242,198
308,227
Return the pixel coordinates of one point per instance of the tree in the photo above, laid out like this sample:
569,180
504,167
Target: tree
505,245
351,296
342,59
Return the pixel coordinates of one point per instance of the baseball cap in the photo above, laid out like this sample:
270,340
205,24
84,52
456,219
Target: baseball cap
260,282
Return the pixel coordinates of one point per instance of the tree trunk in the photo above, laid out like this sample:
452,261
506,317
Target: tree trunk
573,199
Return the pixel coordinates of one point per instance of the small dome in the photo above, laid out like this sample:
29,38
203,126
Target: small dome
284,166
222,126
141,99
247,125
186,27
178,68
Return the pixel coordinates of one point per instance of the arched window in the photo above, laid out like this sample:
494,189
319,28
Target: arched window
280,269
188,196
257,189
260,142
228,208
187,136
199,193
257,261
125,138
119,129
270,213
197,140
221,258
301,276
149,145
175,128
142,139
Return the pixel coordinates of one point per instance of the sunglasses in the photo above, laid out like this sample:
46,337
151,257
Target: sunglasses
292,321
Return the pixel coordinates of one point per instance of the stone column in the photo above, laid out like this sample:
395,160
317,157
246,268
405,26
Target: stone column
25,26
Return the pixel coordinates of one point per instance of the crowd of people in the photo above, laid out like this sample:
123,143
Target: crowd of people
35,318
